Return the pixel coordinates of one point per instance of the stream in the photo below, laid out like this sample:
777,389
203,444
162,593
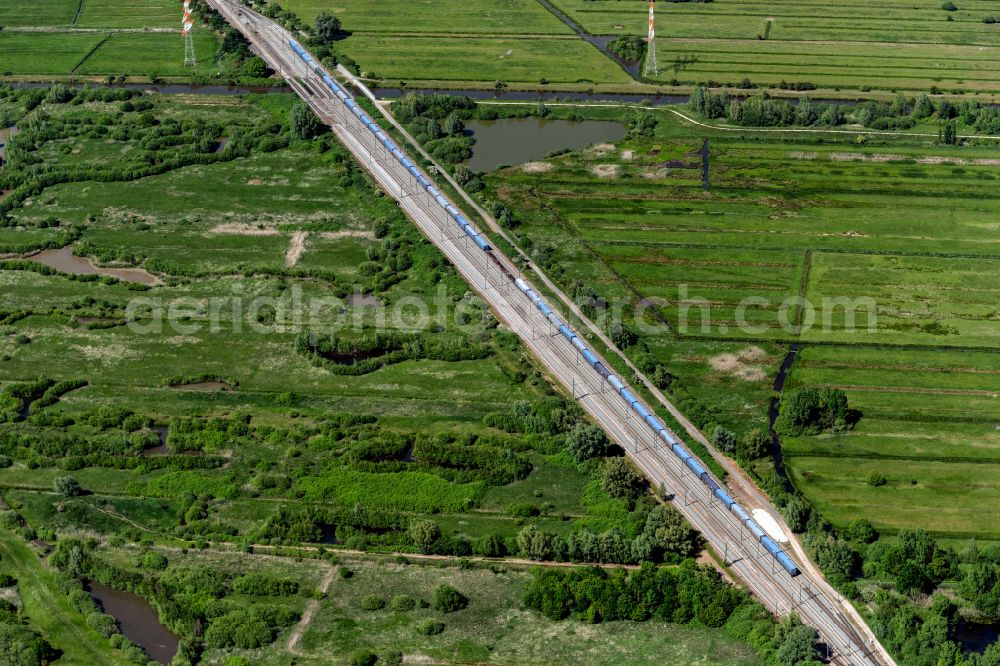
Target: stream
779,385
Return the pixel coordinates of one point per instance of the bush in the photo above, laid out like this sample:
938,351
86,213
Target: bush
392,658
949,6
372,603
430,627
448,600
67,486
364,657
875,479
402,602
154,560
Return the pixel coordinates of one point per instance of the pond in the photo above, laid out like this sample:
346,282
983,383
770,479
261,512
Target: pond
138,620
64,261
518,140
974,637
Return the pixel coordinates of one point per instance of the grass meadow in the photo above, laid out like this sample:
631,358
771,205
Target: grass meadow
494,628
524,59
505,17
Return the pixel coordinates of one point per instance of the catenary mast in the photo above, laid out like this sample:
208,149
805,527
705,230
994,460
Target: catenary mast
186,25
651,69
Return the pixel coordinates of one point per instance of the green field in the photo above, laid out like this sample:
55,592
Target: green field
46,53
851,44
509,59
108,37
491,17
137,14
18,13
896,235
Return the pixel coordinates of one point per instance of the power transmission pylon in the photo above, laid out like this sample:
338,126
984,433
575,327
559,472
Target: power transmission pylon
186,25
651,68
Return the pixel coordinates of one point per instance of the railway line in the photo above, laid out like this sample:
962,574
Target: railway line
500,284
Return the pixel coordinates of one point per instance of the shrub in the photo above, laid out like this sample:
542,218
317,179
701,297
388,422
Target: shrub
364,657
448,600
154,560
402,602
949,6
523,510
67,486
372,603
875,479
430,627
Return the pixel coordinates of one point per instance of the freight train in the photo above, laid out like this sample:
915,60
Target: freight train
619,387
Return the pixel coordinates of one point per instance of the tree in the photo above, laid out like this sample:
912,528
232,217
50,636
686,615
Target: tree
255,67
620,479
911,578
948,134
305,124
433,130
67,486
453,125
640,123
725,439
620,335
923,108
796,514
585,441
328,27
463,174
425,534
667,532
863,531
798,647
753,445
448,600
699,99
533,543
489,545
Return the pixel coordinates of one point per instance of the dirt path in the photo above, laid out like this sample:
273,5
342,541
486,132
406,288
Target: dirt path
311,607
296,249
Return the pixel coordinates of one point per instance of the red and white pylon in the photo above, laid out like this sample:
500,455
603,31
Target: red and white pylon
651,68
186,25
